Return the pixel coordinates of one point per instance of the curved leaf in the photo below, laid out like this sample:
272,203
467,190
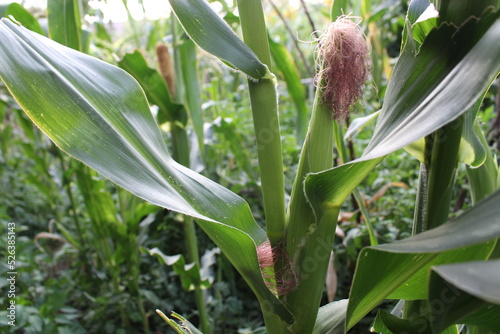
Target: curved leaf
331,318
98,114
449,74
213,35
399,270
464,293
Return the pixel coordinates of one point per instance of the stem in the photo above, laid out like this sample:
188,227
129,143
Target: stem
437,174
309,242
443,166
263,98
192,254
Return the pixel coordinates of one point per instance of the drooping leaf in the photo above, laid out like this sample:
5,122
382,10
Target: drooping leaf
98,114
331,318
450,63
465,293
65,25
213,35
399,270
472,150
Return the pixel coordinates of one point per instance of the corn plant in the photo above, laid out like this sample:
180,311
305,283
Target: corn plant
449,57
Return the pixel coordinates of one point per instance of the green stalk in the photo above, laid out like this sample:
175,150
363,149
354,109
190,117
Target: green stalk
436,181
442,170
308,242
266,123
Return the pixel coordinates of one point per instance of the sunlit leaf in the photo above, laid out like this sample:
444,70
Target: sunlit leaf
98,114
213,35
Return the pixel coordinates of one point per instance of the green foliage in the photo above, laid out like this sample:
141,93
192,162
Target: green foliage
88,274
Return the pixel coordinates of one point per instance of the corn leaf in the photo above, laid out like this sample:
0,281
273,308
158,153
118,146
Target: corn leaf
65,26
387,323
331,317
24,17
98,114
465,293
212,34
449,74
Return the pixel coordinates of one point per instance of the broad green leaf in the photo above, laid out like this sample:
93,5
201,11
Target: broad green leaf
154,86
24,17
450,63
331,318
462,293
399,270
189,273
65,25
213,35
472,150
98,114
286,66
459,11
